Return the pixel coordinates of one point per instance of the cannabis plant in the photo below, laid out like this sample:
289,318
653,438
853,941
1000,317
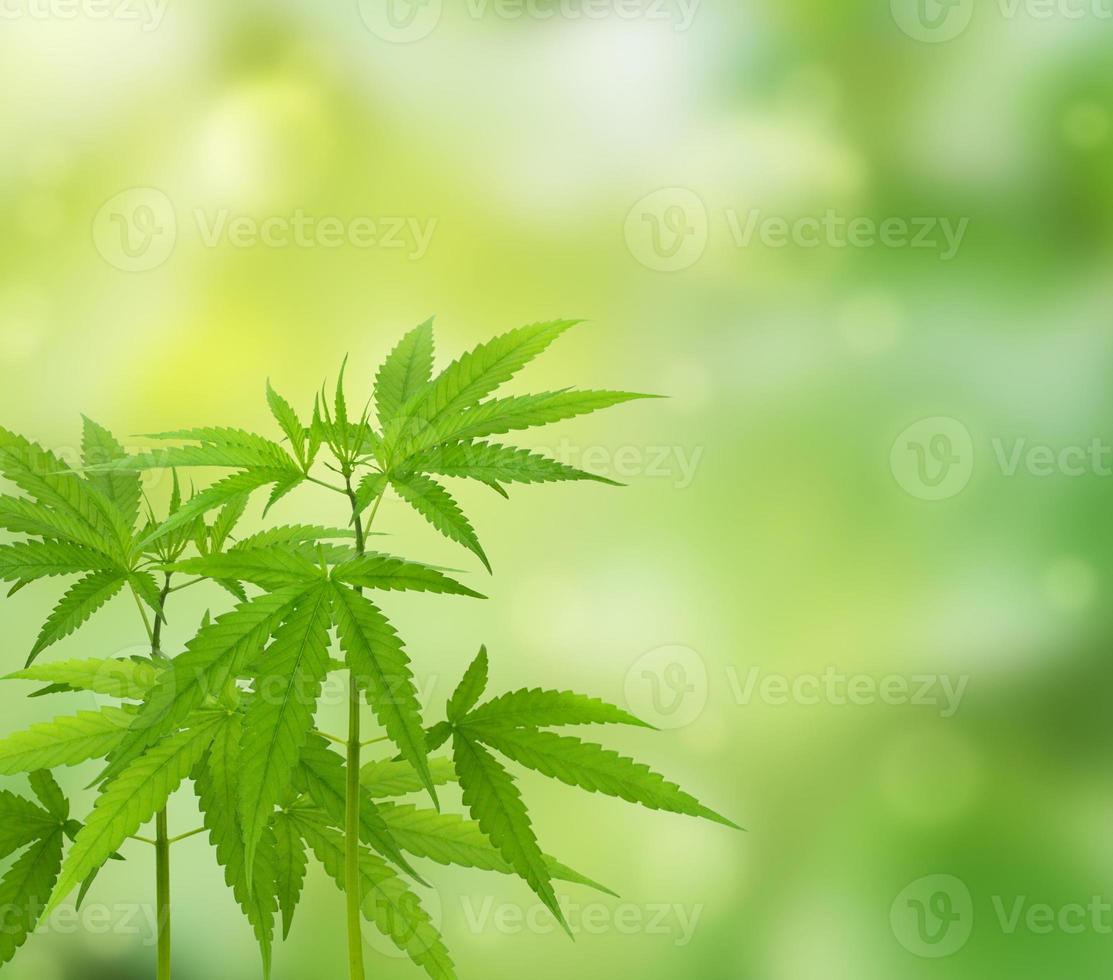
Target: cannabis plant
234,713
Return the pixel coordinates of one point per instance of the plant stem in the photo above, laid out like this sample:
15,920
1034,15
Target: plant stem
162,833
351,822
162,874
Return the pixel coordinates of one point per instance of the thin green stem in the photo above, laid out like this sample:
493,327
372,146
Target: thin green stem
186,585
333,738
144,840
374,741
328,486
162,875
143,613
352,888
192,833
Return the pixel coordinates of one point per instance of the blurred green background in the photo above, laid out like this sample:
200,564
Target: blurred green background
875,641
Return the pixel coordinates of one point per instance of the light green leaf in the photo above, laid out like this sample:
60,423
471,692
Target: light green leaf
29,561
470,689
229,488
114,678
49,793
491,463
480,371
495,804
28,517
274,567
382,670
405,372
546,709
25,889
499,415
279,716
377,571
216,784
65,741
132,799
323,775
211,661
437,506
83,599
449,838
396,777
22,822
288,421
595,769
124,490
290,865
386,901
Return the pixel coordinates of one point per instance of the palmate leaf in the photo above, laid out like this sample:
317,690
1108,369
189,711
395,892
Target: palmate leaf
22,822
593,768
396,777
129,679
381,669
450,839
438,507
215,447
211,661
386,900
25,889
279,717
83,599
133,798
290,867
29,561
376,571
492,463
323,775
405,372
124,490
479,372
66,741
492,798
216,782
536,708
